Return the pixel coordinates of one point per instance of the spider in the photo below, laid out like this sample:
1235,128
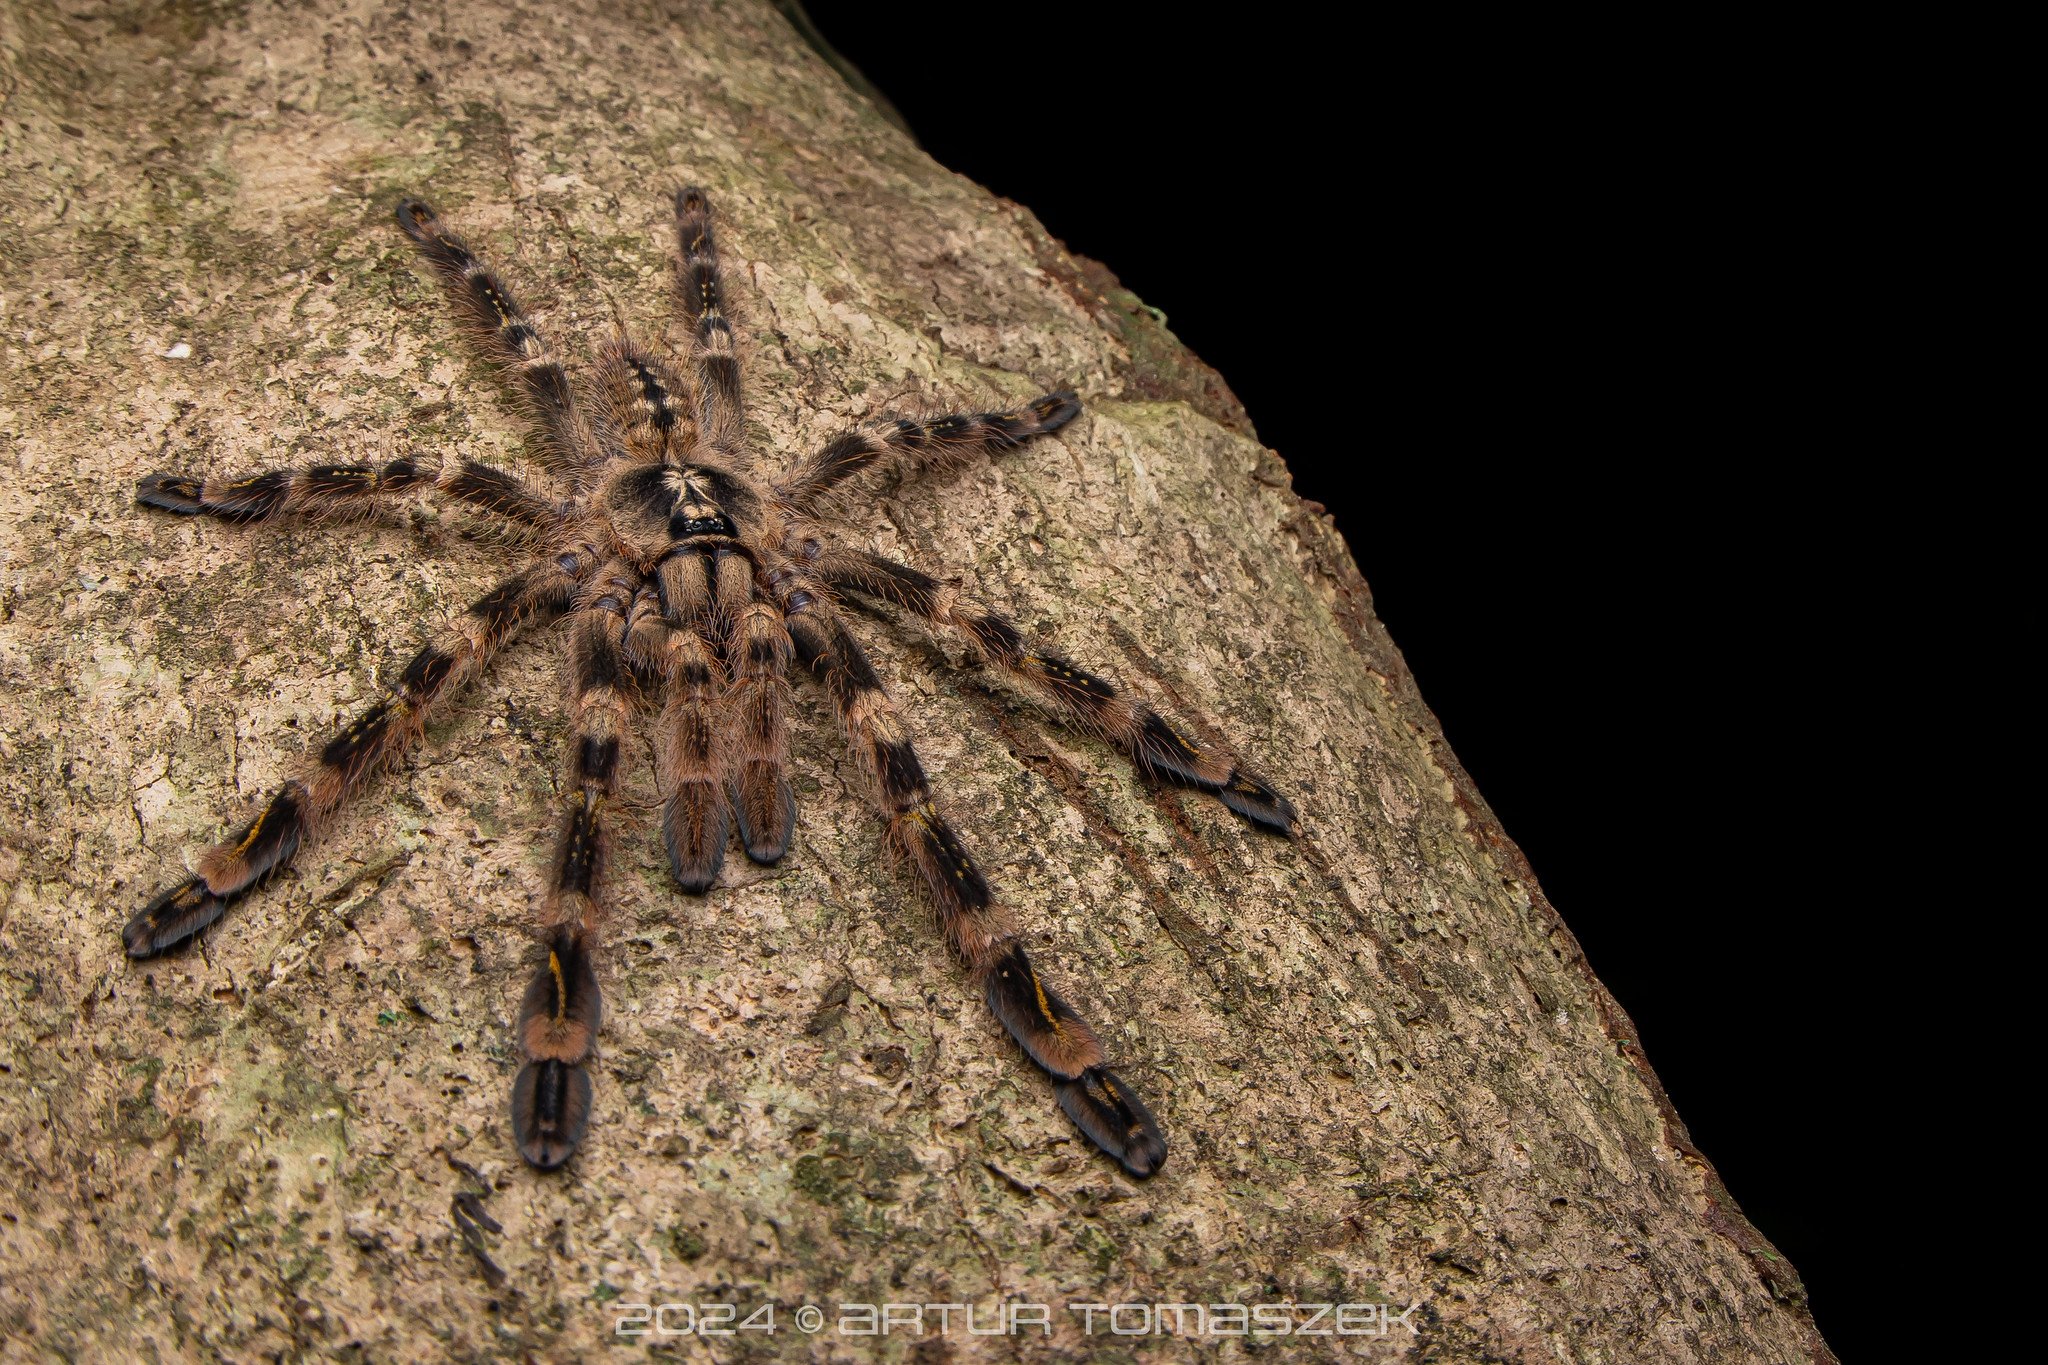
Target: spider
692,577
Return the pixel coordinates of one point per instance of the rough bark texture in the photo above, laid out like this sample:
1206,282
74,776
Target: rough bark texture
1386,1072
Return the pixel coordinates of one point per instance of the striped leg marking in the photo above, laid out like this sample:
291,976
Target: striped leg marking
979,930
377,737
700,298
563,1008
348,491
1070,692
939,443
502,329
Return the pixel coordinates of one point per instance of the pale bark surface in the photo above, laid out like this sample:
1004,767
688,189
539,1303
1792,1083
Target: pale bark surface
1384,1068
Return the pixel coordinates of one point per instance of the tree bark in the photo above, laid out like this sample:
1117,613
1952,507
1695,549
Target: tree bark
1386,1072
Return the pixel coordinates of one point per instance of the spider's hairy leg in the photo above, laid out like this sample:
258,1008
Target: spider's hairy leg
375,738
755,754
935,443
647,640
1049,1030
560,1014
644,402
700,298
1070,692
508,336
694,823
343,491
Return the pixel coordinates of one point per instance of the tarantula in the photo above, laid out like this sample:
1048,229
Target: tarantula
692,577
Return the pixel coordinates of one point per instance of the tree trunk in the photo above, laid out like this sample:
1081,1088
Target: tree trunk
1385,1071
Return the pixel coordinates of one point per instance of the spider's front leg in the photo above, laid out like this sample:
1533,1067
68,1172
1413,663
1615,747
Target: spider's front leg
562,1009
508,336
933,443
700,299
352,490
374,739
980,931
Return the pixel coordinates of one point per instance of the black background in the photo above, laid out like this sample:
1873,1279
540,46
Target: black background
1535,312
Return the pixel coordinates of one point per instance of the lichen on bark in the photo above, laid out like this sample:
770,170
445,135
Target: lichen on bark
1385,1070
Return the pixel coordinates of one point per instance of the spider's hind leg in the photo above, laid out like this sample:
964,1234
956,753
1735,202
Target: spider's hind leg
562,1009
1081,698
1049,1030
374,739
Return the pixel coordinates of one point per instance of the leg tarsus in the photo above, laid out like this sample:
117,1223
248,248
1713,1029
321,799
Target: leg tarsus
558,1023
167,492
253,497
1115,1119
764,807
175,915
550,1111
409,214
1161,750
226,870
694,829
1255,801
1055,410
1056,1037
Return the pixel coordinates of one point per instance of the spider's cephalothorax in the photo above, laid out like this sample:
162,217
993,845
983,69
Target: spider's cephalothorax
692,574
